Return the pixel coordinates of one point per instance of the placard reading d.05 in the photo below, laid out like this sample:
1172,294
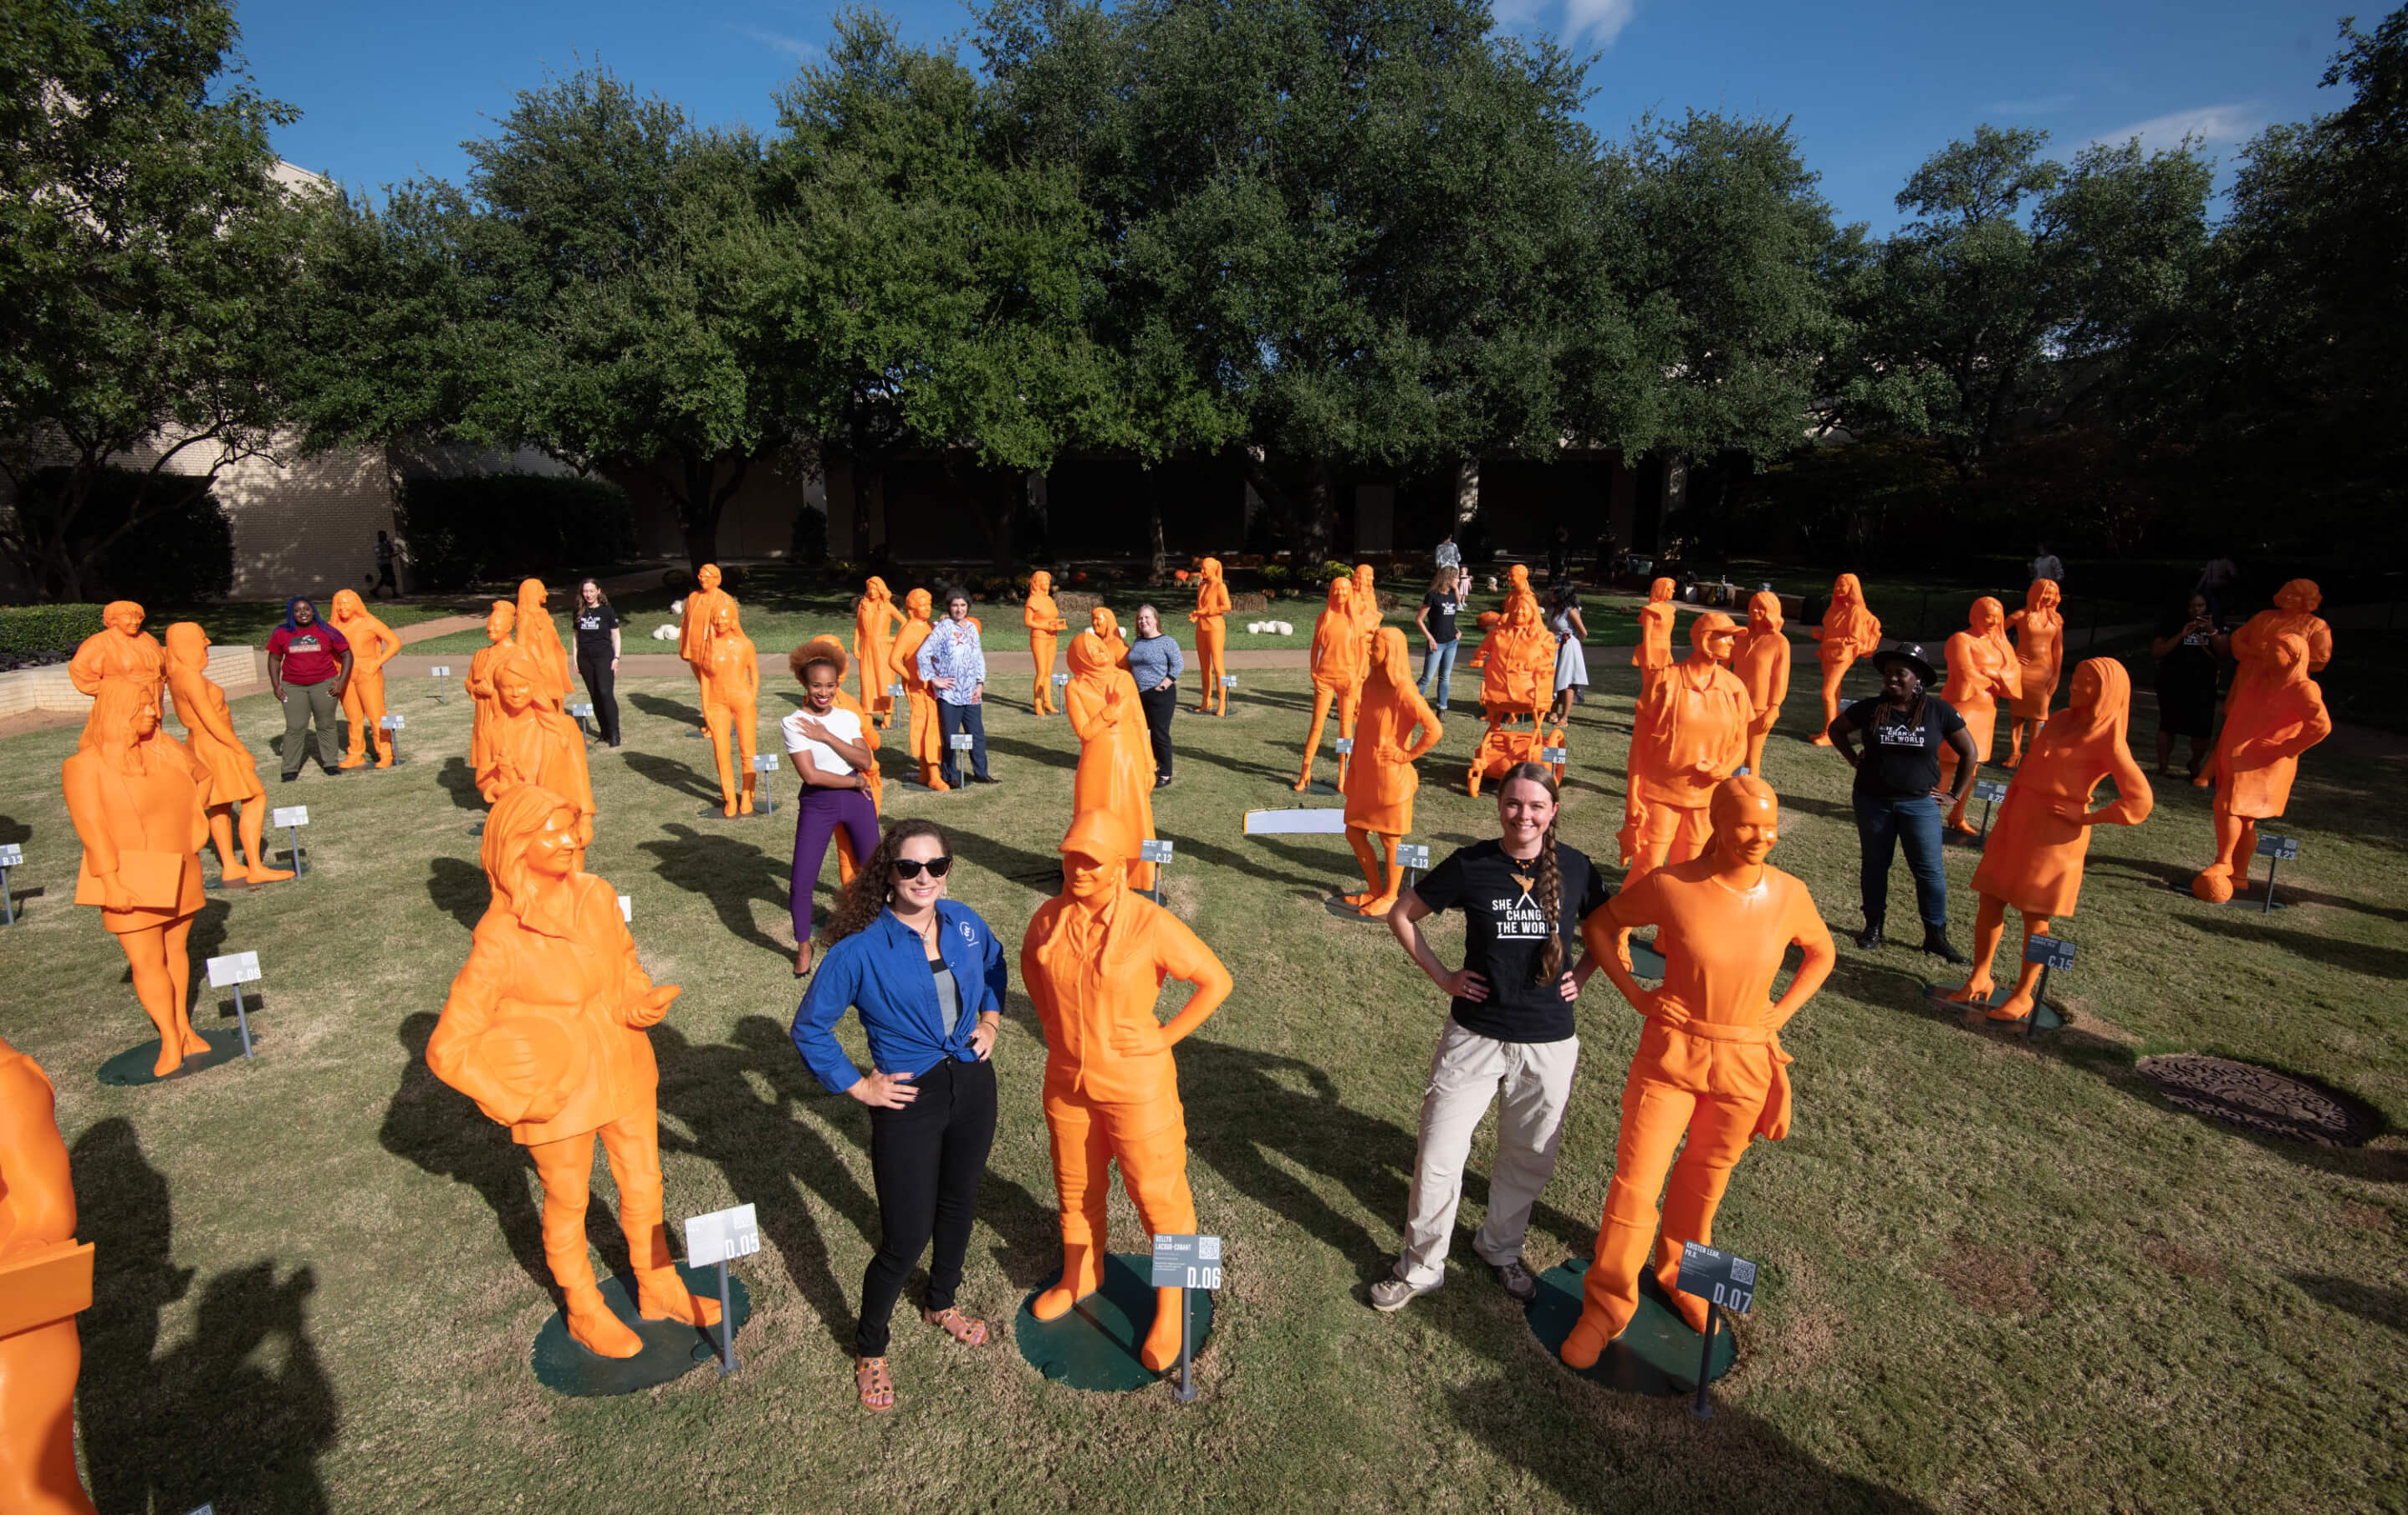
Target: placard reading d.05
722,1236
1989,789
289,815
2048,951
1155,851
2281,848
235,969
1715,1274
1187,1262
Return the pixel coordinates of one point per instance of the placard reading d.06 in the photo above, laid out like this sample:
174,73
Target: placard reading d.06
1989,789
235,969
1187,1262
2281,848
1152,851
289,815
1715,1274
722,1236
2048,951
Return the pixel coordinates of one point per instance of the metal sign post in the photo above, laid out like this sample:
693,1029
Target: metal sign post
1159,854
764,763
1185,1263
12,855
439,675
1229,680
1411,857
1990,793
2276,851
291,818
233,972
1061,681
722,1236
2049,952
390,728
1725,1281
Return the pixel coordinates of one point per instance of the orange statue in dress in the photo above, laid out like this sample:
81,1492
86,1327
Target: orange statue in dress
1982,671
1654,653
45,1278
1710,1064
923,738
482,713
1093,963
119,650
1212,636
1113,773
1687,737
1043,619
731,694
531,743
540,639
1381,783
874,620
210,737
2040,657
2032,862
373,644
1337,672
1762,663
1849,631
1517,683
2279,714
140,808
544,1029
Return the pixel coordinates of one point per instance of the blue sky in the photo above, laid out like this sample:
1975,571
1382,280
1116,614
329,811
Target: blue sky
1873,85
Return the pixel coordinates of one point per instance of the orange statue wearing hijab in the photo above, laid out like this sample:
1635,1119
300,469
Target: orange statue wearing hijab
731,694
1112,776
1849,631
541,640
1212,636
45,1278
140,808
119,650
923,738
483,713
531,743
2039,658
1710,1064
1043,619
1337,672
1515,684
373,645
2278,715
1093,962
1654,653
210,737
1762,663
2032,862
1687,736
1381,785
1982,671
874,620
544,1029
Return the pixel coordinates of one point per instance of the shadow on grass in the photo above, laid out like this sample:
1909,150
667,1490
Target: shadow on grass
1052,757
441,1130
667,710
459,889
673,774
211,1420
1042,872
1225,858
459,780
728,872
2242,925
2373,1302
14,830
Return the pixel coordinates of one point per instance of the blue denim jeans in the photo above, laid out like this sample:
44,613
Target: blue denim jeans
1882,826
1438,671
952,717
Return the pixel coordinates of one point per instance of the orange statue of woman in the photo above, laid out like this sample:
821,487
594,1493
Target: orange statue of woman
1212,636
1710,1064
731,694
1654,653
531,743
1365,606
874,620
483,713
1518,590
1982,671
1514,683
1380,785
45,1278
373,644
544,1029
1762,663
923,738
536,634
1687,737
2040,658
119,650
1043,619
694,621
1849,631
210,737
1112,775
2032,862
2266,724
1093,962
1337,671
140,808
2294,614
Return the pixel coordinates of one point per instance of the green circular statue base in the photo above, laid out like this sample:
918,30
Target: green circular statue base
1645,962
1095,1347
131,1067
1976,1011
672,1349
1656,1353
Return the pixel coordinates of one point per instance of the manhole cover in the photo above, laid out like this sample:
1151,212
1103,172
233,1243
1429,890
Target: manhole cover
2261,1099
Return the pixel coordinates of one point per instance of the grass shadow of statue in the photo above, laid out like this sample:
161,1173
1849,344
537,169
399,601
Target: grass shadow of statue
670,774
459,780
208,1423
1285,773
667,710
2243,925
2385,1307
1042,872
14,830
1052,757
459,889
729,873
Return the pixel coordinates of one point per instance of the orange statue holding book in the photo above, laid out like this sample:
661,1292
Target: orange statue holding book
1043,619
483,711
2032,862
44,1279
1982,671
1762,663
1212,636
544,1029
373,645
541,640
140,808
2274,716
1380,785
1114,774
1849,631
1654,653
210,737
923,738
1710,1065
874,620
1337,675
731,694
1093,962
1686,738
2039,660
1516,683
531,743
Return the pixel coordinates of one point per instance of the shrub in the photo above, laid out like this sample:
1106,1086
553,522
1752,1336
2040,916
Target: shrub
182,557
1335,569
512,525
29,629
733,577
677,581
809,544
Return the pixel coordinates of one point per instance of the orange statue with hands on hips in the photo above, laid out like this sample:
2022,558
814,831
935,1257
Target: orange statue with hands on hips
373,645
482,713
1849,631
1043,619
1112,775
1710,1065
531,743
544,1029
2039,658
874,621
1380,785
2278,714
1212,636
1337,675
233,777
1093,962
119,650
140,808
1654,653
923,737
1686,738
731,694
44,1279
1982,671
1762,663
2032,862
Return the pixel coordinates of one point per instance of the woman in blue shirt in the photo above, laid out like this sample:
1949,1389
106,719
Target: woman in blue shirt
927,977
1155,663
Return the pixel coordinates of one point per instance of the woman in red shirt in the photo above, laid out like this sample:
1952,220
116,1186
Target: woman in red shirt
309,662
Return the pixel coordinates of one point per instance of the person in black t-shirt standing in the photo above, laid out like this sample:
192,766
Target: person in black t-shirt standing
1897,796
597,655
1440,607
2190,650
1508,1032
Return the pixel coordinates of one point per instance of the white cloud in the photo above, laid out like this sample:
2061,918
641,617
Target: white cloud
1597,21
2209,124
779,40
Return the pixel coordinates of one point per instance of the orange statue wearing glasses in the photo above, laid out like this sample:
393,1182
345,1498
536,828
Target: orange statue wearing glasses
373,645
2039,660
45,1278
1113,773
2274,716
1762,663
874,620
483,711
1337,673
1982,671
1212,636
532,743
1849,631
1043,619
1379,786
923,738
210,737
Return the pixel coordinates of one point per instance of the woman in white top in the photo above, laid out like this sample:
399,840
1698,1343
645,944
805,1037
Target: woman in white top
1571,662
824,740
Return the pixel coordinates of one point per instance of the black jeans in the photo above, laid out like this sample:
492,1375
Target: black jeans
970,718
1160,705
926,1159
601,686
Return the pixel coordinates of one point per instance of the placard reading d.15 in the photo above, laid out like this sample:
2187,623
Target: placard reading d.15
1155,851
289,815
2048,951
2281,848
236,968
1715,1274
1989,789
722,1236
1187,1262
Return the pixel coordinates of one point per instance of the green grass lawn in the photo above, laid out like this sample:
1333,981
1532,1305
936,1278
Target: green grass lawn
1998,1275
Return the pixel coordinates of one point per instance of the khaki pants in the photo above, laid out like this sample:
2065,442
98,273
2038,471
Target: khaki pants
1470,1072
302,704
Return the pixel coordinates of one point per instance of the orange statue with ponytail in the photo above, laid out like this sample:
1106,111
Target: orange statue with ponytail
1654,653
874,620
373,645
1849,631
1762,663
2039,660
1380,785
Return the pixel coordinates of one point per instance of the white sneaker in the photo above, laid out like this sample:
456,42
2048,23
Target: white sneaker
1393,1293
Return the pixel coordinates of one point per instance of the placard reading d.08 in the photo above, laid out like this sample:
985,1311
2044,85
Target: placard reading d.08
289,815
1187,1262
1715,1274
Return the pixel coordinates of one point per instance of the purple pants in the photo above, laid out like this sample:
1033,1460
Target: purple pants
816,818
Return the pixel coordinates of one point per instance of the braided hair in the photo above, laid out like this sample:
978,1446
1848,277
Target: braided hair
1550,884
863,898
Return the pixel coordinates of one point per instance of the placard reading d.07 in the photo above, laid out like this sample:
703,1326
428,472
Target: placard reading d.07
289,815
722,1236
1187,1262
2281,848
1718,1275
1989,789
2048,951
235,969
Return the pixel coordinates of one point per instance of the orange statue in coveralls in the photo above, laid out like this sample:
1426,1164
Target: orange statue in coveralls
209,736
45,1278
1710,1065
1849,631
874,620
1982,671
1381,783
1337,675
373,645
1762,663
2040,658
1514,682
1044,622
483,711
534,744
1115,773
1654,653
1212,636
1093,963
1687,736
923,738
2274,716
119,650
544,1029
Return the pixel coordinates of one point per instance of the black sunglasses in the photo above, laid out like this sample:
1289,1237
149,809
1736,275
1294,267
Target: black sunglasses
908,867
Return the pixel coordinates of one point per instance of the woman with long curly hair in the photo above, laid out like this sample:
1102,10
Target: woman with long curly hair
927,977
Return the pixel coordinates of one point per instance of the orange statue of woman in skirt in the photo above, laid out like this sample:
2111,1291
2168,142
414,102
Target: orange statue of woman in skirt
373,645
218,751
1762,663
1381,785
1849,631
1043,619
1212,636
2040,657
1113,773
874,620
2278,714
1982,671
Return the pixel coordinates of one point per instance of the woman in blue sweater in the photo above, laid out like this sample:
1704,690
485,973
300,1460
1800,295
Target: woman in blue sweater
927,977
1155,663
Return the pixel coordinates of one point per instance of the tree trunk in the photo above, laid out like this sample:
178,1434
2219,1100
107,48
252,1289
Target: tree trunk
1304,510
1159,562
698,511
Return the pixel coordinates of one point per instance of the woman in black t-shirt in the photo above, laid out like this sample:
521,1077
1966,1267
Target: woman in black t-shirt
2189,648
1896,796
597,655
1509,1031
1439,608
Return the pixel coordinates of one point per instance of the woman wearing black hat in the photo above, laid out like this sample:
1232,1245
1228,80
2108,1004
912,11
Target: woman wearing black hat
1898,795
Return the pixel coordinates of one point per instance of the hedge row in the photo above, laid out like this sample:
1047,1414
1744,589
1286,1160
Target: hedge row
29,629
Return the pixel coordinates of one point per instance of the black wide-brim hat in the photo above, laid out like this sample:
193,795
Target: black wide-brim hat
1909,653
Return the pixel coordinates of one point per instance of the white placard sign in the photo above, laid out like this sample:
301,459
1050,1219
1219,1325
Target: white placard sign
1551,754
722,1236
962,741
1345,745
894,691
1154,851
289,815
626,907
389,722
1060,680
765,762
438,673
581,711
12,855
236,968
1411,855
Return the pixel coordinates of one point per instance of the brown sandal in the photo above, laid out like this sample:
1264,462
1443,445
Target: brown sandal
875,1385
966,1329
